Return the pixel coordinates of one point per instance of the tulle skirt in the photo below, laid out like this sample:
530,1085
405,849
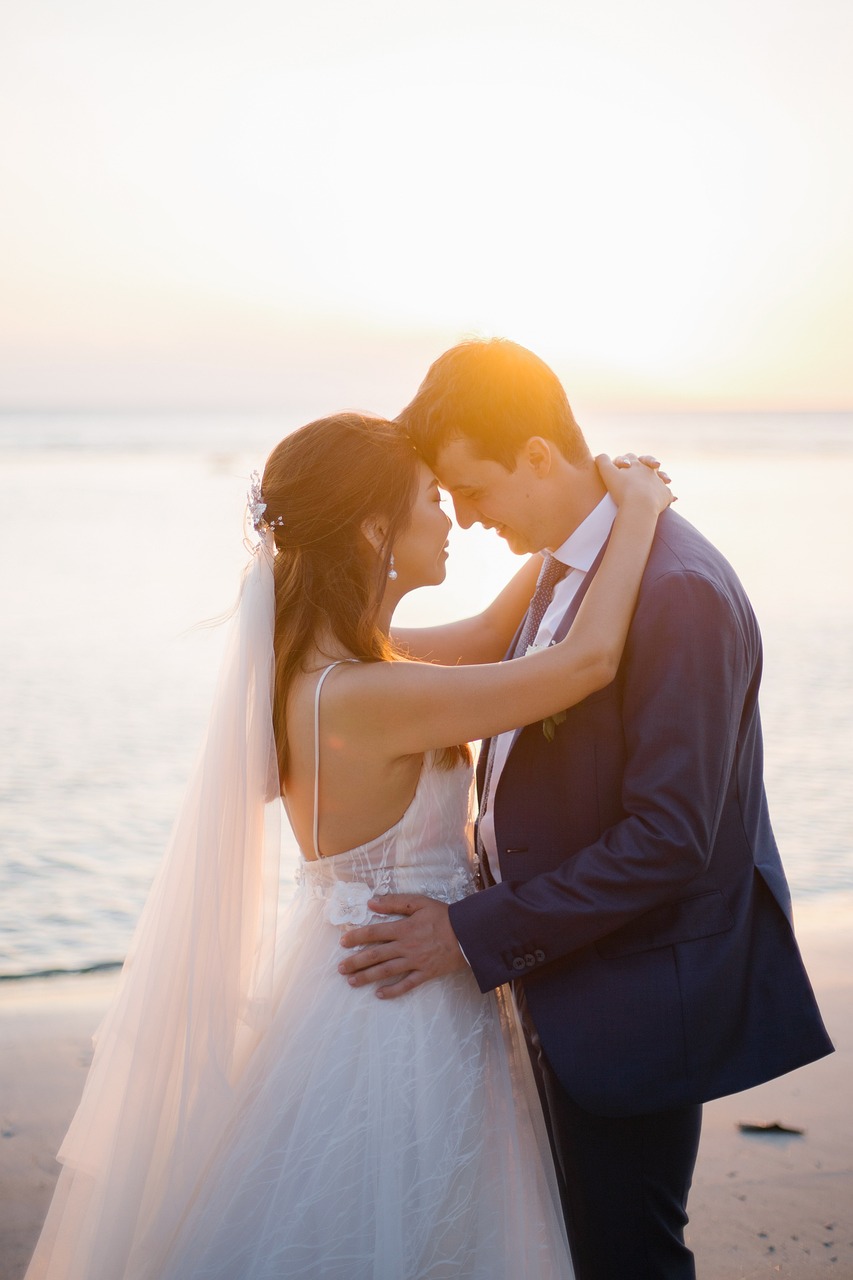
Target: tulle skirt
374,1139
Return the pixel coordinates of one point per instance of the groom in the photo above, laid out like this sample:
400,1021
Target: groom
633,889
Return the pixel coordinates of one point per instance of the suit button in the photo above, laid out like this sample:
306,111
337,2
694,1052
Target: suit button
518,962
529,961
539,955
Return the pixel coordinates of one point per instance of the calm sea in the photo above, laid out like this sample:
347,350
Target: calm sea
119,533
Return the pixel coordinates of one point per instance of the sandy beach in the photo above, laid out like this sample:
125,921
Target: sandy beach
763,1205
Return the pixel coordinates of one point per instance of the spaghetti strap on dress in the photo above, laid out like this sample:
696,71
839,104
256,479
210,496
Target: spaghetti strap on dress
316,815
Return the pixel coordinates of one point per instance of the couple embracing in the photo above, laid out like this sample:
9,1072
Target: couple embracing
357,1099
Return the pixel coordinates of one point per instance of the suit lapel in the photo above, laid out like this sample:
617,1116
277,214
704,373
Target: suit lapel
564,625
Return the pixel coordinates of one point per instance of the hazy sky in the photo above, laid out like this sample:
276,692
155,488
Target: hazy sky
220,203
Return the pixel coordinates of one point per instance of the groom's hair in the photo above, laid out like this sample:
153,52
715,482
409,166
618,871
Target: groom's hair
496,395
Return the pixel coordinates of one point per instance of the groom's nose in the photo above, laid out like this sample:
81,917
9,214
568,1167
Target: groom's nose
466,512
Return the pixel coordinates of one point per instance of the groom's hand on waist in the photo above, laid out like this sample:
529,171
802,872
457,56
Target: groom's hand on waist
405,952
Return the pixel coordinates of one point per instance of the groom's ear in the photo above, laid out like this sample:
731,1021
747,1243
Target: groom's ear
375,532
538,453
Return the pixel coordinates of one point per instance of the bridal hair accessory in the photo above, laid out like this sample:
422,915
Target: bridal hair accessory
392,572
195,995
256,506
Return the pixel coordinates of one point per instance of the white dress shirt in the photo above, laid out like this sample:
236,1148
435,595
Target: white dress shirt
578,552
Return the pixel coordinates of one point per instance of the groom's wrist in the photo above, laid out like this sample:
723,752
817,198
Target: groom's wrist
458,943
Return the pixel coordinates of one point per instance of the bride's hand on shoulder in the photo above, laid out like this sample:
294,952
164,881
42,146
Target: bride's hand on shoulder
631,478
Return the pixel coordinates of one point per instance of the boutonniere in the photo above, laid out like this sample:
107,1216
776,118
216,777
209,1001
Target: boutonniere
549,724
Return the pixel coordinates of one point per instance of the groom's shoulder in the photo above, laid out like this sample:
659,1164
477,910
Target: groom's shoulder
680,550
685,566
680,547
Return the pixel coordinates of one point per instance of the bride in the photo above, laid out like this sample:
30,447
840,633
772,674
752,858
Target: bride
248,1114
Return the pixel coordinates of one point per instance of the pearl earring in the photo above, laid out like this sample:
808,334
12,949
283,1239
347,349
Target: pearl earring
392,572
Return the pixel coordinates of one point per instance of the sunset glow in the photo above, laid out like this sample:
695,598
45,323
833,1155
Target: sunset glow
203,203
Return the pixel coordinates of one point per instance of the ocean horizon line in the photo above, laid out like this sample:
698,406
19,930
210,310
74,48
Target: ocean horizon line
226,432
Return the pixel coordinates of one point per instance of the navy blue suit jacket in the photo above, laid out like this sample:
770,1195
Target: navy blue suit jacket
643,903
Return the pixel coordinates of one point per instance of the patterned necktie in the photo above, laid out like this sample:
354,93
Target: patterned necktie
549,575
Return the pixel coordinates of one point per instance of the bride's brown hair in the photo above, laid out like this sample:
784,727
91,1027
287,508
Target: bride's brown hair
320,485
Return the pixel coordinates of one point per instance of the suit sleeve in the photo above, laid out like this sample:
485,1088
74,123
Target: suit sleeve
687,668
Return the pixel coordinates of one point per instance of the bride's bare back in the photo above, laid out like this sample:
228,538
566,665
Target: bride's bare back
361,792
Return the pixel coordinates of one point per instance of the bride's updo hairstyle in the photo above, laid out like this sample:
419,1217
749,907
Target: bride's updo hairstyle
320,485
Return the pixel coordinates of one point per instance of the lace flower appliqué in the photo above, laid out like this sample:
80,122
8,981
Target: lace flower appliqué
348,901
451,888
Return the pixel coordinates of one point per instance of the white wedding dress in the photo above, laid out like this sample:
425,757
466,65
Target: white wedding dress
379,1139
362,1139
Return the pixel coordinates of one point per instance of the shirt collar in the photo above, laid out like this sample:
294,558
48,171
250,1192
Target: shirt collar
581,547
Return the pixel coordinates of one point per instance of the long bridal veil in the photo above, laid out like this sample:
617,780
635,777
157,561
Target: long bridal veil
195,993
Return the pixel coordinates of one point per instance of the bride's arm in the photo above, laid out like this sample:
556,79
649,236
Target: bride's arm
411,707
485,637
